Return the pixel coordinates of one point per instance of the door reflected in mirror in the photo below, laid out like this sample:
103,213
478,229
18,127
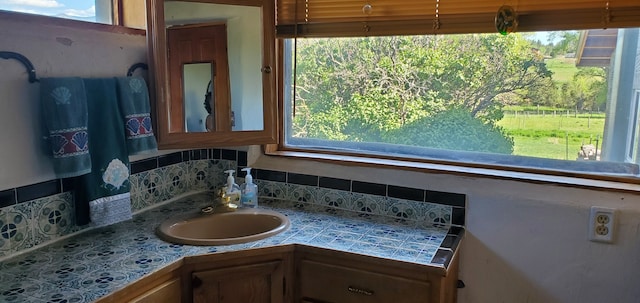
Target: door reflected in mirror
236,74
199,57
198,93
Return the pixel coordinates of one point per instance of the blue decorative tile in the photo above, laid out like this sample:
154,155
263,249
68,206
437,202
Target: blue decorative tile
16,229
402,209
341,244
427,254
21,291
85,267
66,295
53,217
437,213
390,236
334,198
352,227
274,190
176,180
381,240
375,249
371,204
301,193
198,174
5,244
403,254
105,280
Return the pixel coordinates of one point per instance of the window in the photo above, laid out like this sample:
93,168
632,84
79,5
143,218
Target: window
120,13
559,102
98,11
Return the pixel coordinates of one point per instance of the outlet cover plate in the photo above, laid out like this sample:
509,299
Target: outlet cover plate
602,222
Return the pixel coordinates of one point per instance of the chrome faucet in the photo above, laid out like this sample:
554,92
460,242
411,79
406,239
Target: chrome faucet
221,204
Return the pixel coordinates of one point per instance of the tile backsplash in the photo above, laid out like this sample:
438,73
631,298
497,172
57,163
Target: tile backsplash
37,214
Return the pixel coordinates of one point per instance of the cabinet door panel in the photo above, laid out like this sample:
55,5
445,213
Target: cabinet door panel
321,282
168,292
257,283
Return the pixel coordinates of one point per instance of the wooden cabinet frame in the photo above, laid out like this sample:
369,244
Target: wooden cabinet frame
160,89
439,284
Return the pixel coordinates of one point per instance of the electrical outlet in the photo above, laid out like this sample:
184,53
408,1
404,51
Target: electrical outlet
602,224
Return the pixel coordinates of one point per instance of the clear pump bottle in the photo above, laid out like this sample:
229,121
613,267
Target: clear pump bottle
249,190
232,190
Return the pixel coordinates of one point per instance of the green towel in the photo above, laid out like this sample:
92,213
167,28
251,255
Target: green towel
133,97
103,195
64,113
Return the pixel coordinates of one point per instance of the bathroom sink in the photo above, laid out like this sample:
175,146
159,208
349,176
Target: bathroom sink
240,226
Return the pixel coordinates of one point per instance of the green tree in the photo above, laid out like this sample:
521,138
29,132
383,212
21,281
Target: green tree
366,89
567,42
587,90
455,129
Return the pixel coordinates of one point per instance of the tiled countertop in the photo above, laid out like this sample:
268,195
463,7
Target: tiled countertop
97,262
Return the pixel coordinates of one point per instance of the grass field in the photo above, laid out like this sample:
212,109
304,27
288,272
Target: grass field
563,68
553,137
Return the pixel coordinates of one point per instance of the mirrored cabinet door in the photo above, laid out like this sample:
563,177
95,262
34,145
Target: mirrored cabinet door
211,62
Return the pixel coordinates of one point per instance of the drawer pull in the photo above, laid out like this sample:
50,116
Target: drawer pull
360,291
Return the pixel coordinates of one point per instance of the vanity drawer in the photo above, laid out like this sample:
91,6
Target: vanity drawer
326,283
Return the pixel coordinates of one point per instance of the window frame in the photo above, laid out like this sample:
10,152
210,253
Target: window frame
119,11
439,166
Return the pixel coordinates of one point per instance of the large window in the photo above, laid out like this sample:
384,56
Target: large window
561,102
522,100
98,11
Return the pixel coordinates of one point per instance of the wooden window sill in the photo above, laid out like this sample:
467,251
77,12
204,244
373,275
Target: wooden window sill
610,183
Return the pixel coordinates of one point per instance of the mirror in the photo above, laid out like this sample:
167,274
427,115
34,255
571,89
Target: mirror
197,91
234,77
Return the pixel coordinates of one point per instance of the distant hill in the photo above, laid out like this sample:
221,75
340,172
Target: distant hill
66,16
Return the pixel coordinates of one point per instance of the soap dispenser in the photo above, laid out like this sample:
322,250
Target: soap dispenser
232,190
249,190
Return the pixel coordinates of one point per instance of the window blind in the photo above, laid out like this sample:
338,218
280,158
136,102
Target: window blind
326,18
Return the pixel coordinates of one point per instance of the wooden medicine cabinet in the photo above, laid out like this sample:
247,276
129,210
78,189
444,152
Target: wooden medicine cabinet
212,61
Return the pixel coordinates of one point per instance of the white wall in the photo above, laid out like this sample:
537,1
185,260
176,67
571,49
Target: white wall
55,52
525,242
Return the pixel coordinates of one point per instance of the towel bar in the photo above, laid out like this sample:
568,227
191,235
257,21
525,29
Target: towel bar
30,69
135,66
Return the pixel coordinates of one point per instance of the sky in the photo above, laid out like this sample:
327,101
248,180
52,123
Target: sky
72,9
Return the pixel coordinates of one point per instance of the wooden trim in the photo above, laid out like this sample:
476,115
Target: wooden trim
76,24
435,277
132,13
117,9
156,54
232,2
469,23
158,67
141,286
270,87
612,183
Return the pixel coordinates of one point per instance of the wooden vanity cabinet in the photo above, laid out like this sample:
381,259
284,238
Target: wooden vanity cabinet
254,283
167,292
327,276
254,276
162,286
292,273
